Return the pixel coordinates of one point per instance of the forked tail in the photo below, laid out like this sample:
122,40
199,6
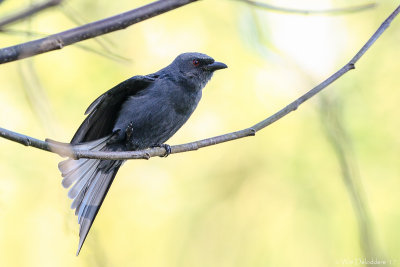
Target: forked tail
89,181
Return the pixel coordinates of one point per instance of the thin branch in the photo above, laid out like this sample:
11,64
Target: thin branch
334,11
74,152
87,31
27,12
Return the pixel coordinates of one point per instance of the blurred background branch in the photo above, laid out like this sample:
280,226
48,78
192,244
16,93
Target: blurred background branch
334,11
336,133
28,12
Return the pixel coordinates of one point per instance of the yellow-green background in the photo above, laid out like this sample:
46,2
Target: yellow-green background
276,199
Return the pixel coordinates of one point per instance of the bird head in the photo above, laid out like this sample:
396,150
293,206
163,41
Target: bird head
197,68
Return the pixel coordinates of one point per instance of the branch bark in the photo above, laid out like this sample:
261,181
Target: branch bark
64,149
87,31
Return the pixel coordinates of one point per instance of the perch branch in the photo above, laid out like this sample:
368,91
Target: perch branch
67,150
90,30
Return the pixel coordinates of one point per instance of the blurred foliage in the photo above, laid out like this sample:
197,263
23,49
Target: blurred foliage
276,199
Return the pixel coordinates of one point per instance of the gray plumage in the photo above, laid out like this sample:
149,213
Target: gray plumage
139,113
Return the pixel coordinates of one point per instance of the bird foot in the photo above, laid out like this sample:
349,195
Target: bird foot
166,147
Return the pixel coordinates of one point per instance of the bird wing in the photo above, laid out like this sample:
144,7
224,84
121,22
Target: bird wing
103,112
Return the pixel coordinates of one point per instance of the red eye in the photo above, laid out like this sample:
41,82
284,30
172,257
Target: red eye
196,62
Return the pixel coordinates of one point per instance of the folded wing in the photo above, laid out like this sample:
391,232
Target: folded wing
103,112
88,180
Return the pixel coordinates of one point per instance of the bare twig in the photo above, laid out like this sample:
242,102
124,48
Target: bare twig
28,12
90,30
65,150
333,11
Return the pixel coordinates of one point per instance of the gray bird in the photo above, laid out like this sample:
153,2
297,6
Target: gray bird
139,113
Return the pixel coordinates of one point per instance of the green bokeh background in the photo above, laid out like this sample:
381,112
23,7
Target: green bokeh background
276,199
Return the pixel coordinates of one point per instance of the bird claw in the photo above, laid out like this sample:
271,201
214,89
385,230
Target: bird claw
166,147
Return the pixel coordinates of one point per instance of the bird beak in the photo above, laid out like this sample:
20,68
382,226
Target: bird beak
215,66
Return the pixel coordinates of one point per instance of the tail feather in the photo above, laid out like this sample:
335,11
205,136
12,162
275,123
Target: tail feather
67,167
72,169
89,183
77,201
92,188
88,208
87,173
